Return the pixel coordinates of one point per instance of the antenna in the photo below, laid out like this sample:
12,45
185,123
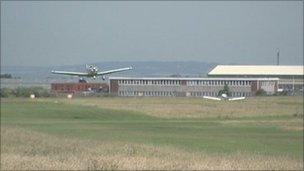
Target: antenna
278,56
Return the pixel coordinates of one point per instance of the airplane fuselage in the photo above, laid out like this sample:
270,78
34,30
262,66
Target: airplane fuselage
92,71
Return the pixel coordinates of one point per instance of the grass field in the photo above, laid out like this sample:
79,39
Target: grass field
152,133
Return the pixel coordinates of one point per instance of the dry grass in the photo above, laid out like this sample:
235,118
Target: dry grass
29,150
197,107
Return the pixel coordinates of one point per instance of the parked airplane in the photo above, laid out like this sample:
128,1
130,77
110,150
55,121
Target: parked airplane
92,72
223,97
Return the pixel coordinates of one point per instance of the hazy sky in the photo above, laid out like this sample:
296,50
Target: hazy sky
77,32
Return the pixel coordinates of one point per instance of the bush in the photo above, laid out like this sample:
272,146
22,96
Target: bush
6,92
283,93
261,92
22,92
25,92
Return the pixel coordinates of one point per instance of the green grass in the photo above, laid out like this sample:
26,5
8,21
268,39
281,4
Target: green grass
213,135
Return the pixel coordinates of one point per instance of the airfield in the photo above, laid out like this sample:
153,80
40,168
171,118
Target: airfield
152,133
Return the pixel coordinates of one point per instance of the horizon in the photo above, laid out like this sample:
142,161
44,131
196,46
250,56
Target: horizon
189,61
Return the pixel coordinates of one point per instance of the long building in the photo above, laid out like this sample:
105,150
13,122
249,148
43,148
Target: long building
290,77
190,87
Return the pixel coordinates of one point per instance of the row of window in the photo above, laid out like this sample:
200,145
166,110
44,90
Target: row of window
146,93
75,86
264,83
216,82
233,94
178,82
198,94
150,82
168,93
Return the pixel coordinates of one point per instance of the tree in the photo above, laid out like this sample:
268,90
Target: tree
6,76
225,90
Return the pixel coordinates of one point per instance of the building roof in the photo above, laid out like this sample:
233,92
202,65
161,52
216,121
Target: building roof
263,70
192,79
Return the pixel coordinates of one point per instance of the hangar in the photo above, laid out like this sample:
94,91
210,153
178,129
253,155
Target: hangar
189,87
290,77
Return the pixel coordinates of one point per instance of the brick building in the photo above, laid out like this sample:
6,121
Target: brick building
79,87
190,87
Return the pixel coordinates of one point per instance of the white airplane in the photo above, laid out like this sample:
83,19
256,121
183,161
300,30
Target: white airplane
92,72
224,97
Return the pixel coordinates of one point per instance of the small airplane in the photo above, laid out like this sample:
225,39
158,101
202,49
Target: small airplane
92,72
223,97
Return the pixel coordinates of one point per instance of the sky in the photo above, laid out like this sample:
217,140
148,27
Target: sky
36,33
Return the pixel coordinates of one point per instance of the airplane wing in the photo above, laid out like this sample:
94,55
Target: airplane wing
236,98
211,98
114,70
70,73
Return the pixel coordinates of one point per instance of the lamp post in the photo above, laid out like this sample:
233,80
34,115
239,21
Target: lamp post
278,56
